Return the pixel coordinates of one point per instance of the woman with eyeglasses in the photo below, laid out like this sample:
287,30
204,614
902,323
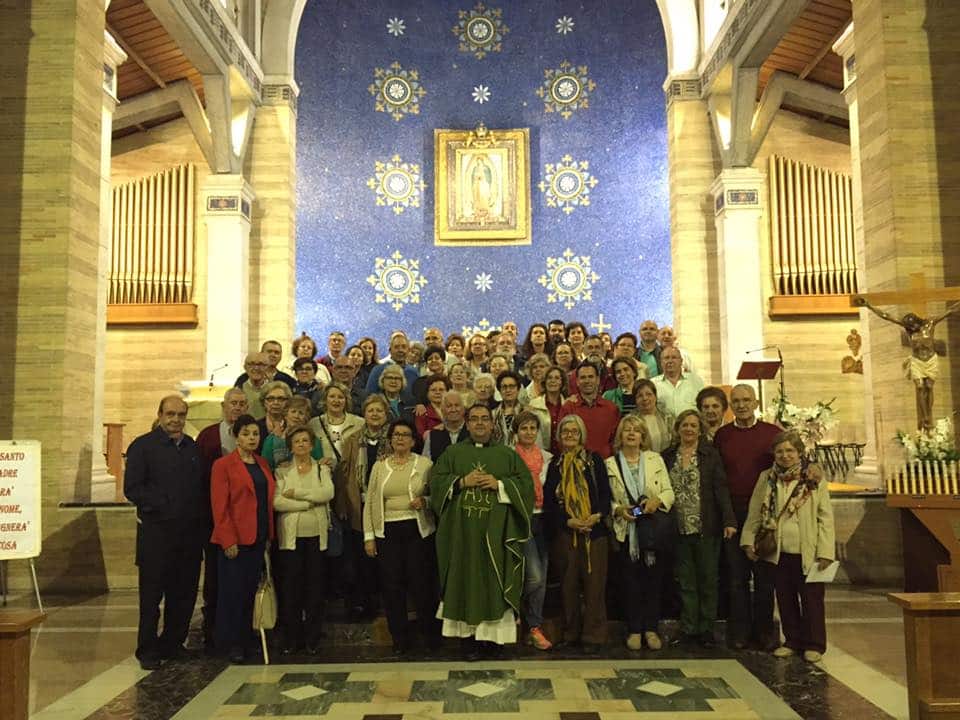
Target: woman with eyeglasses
576,499
398,525
274,395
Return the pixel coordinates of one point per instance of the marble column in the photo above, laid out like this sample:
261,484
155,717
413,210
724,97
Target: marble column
694,163
103,485
271,166
867,473
738,201
907,62
227,202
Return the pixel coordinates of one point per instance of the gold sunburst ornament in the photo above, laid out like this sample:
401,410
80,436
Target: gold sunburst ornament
481,30
397,90
397,280
569,279
396,184
567,184
566,89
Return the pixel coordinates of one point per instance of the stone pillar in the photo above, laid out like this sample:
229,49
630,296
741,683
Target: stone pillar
694,163
907,62
226,205
103,485
271,166
738,201
50,155
867,473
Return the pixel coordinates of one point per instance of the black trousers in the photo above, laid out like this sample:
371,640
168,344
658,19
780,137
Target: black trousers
801,605
643,585
168,562
303,575
750,614
236,587
209,592
360,572
408,568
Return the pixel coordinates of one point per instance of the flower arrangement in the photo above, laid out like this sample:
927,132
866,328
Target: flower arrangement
934,444
811,423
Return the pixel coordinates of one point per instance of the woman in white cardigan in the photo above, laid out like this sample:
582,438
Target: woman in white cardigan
639,486
397,530
793,499
304,491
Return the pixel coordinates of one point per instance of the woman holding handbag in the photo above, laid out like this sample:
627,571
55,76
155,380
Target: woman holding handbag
302,501
790,525
642,498
241,497
397,530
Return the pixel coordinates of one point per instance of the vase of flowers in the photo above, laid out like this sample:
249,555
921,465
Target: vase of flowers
935,444
811,423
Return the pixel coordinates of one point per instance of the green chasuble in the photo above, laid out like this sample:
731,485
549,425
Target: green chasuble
479,539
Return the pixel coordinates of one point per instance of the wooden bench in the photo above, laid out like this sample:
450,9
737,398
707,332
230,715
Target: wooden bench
931,628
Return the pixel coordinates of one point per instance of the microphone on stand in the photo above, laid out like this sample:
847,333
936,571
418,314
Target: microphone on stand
215,371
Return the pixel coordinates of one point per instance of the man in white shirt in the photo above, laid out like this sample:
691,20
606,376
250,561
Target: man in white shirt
676,390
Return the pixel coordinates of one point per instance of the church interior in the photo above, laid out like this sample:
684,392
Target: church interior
188,179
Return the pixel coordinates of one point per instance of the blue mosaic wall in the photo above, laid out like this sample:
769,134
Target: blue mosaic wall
600,251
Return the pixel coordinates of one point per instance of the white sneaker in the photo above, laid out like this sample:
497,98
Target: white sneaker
783,652
653,640
812,656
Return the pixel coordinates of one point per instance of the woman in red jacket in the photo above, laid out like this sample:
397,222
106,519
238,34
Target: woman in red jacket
241,494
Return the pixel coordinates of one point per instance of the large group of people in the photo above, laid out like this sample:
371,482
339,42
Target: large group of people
459,476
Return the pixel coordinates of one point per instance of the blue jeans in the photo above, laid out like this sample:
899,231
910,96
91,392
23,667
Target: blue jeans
535,555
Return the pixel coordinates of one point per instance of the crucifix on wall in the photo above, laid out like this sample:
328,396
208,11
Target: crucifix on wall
921,366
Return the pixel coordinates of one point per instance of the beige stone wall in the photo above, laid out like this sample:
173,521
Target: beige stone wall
694,164
812,347
271,169
52,65
908,61
144,364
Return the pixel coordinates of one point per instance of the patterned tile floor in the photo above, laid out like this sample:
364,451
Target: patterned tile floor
717,689
82,669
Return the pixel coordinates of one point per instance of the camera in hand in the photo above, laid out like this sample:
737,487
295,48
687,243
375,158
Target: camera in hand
637,510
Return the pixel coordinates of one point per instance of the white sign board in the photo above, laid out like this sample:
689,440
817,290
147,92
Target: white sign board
19,499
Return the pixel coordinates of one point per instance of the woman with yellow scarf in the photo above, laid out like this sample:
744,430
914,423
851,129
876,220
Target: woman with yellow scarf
576,500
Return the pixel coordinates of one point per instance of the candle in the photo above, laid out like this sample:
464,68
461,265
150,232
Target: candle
938,473
911,481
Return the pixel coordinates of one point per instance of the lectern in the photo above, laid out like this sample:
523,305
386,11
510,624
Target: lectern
759,370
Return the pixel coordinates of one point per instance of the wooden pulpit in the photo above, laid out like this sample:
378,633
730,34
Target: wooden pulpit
928,496
15,626
931,629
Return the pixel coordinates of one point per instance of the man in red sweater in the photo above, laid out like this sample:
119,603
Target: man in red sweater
600,416
746,448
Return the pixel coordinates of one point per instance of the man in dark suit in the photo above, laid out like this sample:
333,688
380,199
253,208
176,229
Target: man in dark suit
164,479
451,432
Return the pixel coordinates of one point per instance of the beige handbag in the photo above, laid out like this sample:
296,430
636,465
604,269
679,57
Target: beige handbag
265,606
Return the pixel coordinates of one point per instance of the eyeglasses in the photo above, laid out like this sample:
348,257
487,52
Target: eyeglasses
508,386
570,431
402,435
275,398
479,418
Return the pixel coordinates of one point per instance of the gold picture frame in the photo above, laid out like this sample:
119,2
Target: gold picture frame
482,185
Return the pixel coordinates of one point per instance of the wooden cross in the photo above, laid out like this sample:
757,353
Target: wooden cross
915,299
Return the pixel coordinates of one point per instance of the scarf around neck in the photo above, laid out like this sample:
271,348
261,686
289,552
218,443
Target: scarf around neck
576,492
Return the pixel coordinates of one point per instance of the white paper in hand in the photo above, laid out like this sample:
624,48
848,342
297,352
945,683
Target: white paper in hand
826,575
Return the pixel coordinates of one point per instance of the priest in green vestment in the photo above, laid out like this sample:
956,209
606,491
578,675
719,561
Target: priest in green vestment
483,496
